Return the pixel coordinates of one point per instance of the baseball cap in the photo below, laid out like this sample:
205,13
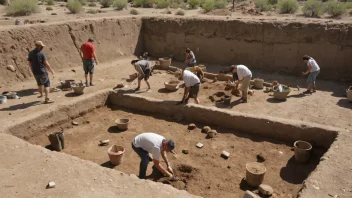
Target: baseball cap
39,43
171,145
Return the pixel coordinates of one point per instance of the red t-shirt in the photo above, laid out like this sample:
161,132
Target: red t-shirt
87,50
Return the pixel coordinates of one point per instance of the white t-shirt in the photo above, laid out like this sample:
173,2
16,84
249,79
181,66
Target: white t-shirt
190,78
150,142
243,71
314,64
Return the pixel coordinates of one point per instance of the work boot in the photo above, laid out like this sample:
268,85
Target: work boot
91,84
87,85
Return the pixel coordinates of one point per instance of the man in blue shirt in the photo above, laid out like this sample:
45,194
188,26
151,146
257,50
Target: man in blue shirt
39,65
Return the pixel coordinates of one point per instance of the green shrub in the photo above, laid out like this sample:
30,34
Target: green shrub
106,3
288,6
183,6
208,5
220,4
92,11
92,4
174,5
263,5
134,12
180,12
312,8
162,3
335,8
120,4
143,3
49,8
74,6
3,2
50,2
348,5
272,2
22,7
194,3
83,2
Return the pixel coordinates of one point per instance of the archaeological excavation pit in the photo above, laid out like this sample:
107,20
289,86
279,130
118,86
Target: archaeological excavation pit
200,172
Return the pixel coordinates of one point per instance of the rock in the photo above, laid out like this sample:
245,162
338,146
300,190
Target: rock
73,70
51,185
249,194
228,167
118,86
206,129
185,151
260,157
215,79
191,126
225,154
53,13
199,145
11,68
212,98
74,123
265,190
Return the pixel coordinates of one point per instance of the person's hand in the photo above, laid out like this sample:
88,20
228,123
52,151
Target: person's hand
170,169
169,175
96,62
303,73
53,73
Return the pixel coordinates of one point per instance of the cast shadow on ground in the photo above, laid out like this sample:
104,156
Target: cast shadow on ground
155,175
128,91
108,164
345,103
26,92
273,100
296,173
21,106
72,94
164,90
49,147
244,186
115,129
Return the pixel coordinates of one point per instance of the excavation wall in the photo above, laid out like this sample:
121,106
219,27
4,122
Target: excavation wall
114,38
268,46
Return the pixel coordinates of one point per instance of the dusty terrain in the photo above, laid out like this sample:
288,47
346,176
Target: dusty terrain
218,178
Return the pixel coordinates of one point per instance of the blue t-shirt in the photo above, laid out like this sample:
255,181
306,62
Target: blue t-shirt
37,59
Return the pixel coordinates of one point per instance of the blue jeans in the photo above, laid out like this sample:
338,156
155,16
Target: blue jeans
144,155
312,77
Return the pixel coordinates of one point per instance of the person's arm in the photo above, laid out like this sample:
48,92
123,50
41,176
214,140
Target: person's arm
308,70
81,53
164,156
95,57
30,64
185,93
47,65
139,70
161,168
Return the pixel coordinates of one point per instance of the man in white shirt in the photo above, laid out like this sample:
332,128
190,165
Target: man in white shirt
157,145
243,75
191,82
313,70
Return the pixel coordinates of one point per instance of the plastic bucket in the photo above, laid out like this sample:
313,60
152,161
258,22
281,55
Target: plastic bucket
78,89
122,124
302,151
165,63
255,173
116,154
258,83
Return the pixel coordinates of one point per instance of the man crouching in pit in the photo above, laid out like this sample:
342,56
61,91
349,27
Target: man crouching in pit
191,83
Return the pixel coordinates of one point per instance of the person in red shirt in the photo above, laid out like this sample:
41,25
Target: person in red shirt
88,58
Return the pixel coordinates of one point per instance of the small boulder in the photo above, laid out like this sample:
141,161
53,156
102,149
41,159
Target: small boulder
215,79
11,68
265,190
191,126
185,151
206,129
260,157
74,123
51,185
212,98
250,194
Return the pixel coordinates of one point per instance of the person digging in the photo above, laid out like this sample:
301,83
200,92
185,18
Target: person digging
191,83
144,71
313,70
89,57
243,75
157,145
39,66
190,58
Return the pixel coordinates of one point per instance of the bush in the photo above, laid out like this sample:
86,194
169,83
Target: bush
92,11
92,4
49,8
272,2
180,12
50,2
220,4
288,6
335,8
74,6
263,5
143,3
174,5
83,2
183,6
312,8
162,3
106,3
194,3
120,4
22,7
134,12
208,5
3,2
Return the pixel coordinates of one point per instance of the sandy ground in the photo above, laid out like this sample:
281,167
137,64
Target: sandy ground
328,106
219,178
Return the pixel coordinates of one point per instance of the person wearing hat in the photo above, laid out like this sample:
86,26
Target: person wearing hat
89,57
190,58
157,145
313,70
144,72
243,75
39,65
191,83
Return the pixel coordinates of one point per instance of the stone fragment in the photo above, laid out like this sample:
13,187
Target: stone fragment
260,157
212,98
191,126
51,184
11,68
250,194
75,123
199,145
265,190
225,154
185,151
206,129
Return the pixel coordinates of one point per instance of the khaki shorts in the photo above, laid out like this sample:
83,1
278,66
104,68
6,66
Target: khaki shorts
246,81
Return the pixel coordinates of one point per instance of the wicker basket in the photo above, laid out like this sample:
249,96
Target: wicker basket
281,95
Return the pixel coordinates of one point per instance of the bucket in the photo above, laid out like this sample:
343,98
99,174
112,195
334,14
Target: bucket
67,84
172,85
302,151
349,93
258,83
255,173
165,63
116,154
57,141
78,89
122,124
